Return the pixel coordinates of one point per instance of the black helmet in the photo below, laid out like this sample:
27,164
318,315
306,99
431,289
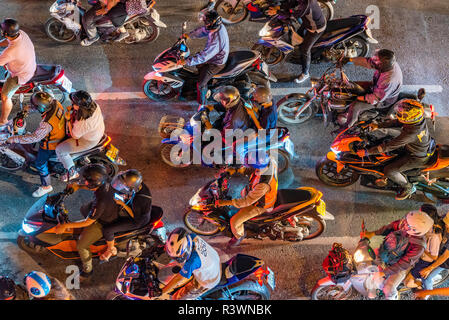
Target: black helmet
385,59
211,19
41,101
127,182
10,27
81,98
94,175
7,289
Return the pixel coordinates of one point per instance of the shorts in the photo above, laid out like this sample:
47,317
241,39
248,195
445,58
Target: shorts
421,264
10,86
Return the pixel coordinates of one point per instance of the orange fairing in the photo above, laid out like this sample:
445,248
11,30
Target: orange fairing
333,157
343,145
440,164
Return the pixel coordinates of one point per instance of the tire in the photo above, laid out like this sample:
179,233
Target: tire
271,55
166,92
8,165
165,151
111,167
444,276
284,107
325,165
223,5
284,160
192,215
360,43
23,244
53,25
328,292
328,9
115,296
151,28
321,226
248,290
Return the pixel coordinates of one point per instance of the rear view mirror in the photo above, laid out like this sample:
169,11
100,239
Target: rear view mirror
421,93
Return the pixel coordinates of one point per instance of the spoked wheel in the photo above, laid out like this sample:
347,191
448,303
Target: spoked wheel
331,292
287,110
230,13
172,159
327,9
314,225
270,55
201,224
326,171
111,168
151,31
158,90
357,47
57,31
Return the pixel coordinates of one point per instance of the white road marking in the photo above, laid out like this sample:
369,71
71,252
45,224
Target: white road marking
8,235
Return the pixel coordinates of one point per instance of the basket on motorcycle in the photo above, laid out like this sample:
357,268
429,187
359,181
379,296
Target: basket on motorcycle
338,264
168,124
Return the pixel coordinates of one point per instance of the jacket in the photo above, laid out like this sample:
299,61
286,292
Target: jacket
216,50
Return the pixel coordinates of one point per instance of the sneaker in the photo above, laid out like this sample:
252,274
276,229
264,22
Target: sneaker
87,42
122,36
303,77
234,242
41,191
405,193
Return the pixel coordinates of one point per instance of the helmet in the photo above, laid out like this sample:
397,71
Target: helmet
179,245
262,95
127,182
417,223
7,289
10,27
81,98
41,101
384,59
94,175
38,284
256,159
210,18
227,96
409,111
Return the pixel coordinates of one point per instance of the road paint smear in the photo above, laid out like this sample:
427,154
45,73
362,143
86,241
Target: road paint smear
8,236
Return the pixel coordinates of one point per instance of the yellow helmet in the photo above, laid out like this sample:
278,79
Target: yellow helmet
409,111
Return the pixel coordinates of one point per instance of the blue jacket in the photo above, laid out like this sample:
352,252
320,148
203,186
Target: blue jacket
217,46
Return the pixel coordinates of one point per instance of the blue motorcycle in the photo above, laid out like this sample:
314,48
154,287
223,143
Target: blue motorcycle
349,37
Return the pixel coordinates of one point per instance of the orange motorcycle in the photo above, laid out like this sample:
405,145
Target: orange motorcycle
342,166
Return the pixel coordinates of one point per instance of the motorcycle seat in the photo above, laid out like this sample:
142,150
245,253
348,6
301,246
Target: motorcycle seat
156,214
289,198
236,59
45,72
239,264
345,23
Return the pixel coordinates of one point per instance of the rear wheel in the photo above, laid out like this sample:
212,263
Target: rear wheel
170,159
357,47
248,290
158,90
331,292
271,55
111,168
201,224
287,110
315,226
150,28
326,171
229,13
57,31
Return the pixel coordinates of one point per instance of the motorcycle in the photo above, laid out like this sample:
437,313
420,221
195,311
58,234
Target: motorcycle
330,96
37,234
243,277
66,16
21,156
235,11
185,142
169,79
358,276
298,214
349,36
342,166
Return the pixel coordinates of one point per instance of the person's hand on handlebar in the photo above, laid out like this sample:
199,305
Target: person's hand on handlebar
185,36
223,203
181,61
71,188
271,11
367,234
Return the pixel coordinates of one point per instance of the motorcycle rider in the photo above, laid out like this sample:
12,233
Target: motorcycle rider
98,213
262,98
135,197
261,194
403,245
312,27
200,266
385,87
19,57
419,146
51,131
213,58
85,128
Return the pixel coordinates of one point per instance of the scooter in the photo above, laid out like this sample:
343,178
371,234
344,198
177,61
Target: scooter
37,234
169,79
14,156
298,214
65,24
349,36
235,11
243,277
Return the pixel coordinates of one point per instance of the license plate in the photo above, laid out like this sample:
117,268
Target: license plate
66,83
270,279
112,153
321,208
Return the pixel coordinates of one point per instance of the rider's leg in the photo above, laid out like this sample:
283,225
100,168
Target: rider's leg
206,72
428,282
88,236
41,164
89,19
190,291
391,284
9,89
237,221
305,49
355,109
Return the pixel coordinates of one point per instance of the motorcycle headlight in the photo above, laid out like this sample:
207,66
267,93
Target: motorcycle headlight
30,227
362,256
196,199
334,150
265,31
54,7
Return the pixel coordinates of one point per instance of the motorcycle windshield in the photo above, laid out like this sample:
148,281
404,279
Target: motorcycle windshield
36,210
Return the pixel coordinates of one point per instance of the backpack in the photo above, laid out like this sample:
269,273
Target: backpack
395,245
338,264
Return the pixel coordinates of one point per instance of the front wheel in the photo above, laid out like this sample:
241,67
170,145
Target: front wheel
326,171
248,290
173,160
314,225
229,13
283,160
57,31
158,90
201,224
327,9
287,109
356,46
271,55
25,244
143,25
331,292
8,163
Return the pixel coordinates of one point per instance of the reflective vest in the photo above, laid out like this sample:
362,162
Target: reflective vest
57,121
269,199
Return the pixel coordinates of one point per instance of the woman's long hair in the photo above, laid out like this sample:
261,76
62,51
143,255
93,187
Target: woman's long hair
84,113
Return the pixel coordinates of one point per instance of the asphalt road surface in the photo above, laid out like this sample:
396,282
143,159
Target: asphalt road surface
415,30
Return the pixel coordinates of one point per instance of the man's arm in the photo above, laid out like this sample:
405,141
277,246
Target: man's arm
414,252
362,62
41,132
198,33
208,53
252,197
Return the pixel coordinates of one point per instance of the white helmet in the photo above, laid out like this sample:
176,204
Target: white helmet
179,245
38,284
418,223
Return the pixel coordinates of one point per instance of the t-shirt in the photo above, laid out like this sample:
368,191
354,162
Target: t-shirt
141,204
91,129
204,264
268,117
104,209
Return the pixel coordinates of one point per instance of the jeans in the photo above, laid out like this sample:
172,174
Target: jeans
206,72
89,20
88,236
305,47
244,214
41,164
65,148
391,284
406,162
428,282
